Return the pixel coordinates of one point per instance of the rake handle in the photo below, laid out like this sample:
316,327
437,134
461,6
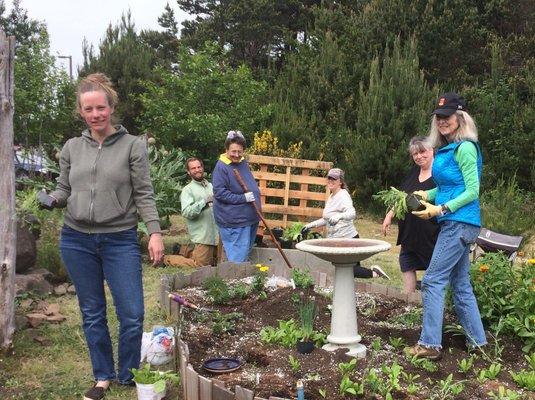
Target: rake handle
245,189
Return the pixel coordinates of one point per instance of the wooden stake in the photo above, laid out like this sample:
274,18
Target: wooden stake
8,223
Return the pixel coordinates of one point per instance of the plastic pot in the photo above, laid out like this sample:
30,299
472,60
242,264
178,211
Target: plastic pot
305,347
277,232
146,392
286,244
414,203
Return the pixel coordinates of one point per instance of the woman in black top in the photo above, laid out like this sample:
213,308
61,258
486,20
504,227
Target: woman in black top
416,236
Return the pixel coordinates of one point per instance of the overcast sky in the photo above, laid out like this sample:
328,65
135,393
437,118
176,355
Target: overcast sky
69,21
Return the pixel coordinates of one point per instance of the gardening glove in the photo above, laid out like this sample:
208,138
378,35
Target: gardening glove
305,230
429,212
421,193
249,197
46,201
335,219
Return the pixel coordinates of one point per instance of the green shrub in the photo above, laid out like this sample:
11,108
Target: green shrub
217,290
505,207
49,224
505,292
302,279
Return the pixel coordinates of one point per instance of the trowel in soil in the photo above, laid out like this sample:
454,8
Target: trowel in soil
183,302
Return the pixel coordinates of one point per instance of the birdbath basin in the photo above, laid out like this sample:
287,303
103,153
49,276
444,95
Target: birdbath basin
344,253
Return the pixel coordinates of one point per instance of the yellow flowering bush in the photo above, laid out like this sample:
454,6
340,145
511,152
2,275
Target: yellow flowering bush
267,144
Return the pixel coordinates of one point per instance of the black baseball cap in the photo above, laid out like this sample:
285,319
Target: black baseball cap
448,103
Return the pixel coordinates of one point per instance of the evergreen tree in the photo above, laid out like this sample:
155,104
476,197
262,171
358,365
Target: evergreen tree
394,105
256,32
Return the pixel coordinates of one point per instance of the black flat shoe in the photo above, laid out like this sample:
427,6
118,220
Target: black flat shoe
95,393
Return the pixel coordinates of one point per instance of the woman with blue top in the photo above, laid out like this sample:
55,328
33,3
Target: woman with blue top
236,219
456,171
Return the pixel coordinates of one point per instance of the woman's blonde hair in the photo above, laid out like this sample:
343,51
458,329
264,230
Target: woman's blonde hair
467,130
96,82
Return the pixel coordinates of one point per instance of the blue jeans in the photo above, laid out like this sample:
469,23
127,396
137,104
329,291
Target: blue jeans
451,264
115,257
238,241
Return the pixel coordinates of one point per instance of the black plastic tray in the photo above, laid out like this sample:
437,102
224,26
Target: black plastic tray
221,365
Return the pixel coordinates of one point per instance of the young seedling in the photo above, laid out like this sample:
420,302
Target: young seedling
347,368
423,363
492,371
376,344
294,364
412,386
524,379
504,394
397,342
323,393
448,389
347,386
466,364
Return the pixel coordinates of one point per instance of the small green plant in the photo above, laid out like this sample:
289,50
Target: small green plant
373,381
240,290
302,279
447,389
466,364
347,386
392,383
397,342
531,360
323,393
287,334
504,394
292,232
376,344
307,313
410,319
347,368
259,278
393,199
524,379
225,323
412,385
423,363
491,372
146,376
217,290
294,364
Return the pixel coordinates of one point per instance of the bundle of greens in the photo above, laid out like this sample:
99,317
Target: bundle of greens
393,199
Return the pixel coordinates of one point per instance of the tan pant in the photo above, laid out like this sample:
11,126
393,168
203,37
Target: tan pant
193,256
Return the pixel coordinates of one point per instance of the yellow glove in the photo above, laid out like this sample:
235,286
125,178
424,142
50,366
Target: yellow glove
429,212
421,193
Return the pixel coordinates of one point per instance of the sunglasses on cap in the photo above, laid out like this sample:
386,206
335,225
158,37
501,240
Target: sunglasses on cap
330,178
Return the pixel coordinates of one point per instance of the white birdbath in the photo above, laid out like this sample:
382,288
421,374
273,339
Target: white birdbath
344,253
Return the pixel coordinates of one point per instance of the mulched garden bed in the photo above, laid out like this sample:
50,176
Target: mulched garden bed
267,369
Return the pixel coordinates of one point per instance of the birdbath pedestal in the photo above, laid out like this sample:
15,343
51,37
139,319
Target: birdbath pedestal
344,253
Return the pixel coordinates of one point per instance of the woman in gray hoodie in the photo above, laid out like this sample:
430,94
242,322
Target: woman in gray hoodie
104,184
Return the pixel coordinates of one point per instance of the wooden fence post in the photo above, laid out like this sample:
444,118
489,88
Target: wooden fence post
8,228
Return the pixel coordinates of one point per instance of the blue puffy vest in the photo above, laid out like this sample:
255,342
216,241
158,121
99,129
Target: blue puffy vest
450,184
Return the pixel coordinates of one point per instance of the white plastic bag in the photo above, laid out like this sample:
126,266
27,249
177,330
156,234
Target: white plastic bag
157,346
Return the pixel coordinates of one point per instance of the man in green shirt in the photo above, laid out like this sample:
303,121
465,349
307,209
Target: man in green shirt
196,201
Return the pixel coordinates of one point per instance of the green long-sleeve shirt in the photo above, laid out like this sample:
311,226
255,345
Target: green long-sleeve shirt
466,157
199,215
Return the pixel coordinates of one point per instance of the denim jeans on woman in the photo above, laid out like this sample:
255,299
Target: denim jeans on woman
115,257
450,264
238,241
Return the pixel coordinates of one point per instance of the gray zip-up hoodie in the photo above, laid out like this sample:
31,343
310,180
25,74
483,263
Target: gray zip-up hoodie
103,186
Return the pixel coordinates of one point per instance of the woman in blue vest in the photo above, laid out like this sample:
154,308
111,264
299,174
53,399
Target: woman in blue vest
236,219
457,173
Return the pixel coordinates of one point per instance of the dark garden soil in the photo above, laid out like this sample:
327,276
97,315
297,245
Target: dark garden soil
267,371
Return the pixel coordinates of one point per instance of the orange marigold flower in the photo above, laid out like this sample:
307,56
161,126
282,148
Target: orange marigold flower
483,268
